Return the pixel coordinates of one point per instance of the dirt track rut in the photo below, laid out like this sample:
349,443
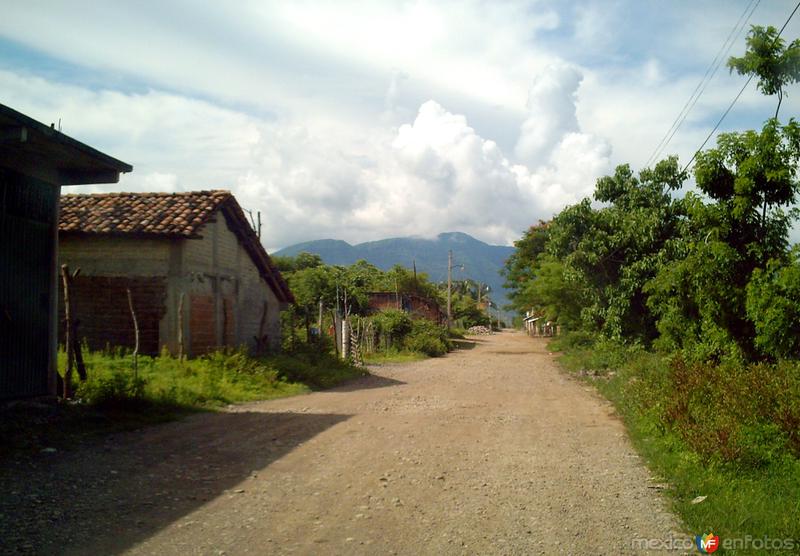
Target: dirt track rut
489,450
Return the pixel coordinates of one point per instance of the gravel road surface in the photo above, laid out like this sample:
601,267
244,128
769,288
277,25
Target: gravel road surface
490,450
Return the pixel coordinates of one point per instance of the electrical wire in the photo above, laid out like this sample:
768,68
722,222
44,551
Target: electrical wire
711,71
739,94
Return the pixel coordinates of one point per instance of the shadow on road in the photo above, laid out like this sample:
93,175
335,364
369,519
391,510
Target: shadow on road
105,497
465,344
367,383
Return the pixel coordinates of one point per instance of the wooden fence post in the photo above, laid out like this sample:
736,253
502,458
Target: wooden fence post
68,346
136,337
180,326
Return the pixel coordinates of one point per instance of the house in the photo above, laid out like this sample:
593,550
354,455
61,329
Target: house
35,161
537,326
410,303
198,276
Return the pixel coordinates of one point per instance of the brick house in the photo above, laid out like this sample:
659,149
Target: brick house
408,302
197,272
35,161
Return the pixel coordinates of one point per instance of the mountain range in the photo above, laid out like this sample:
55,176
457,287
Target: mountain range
472,258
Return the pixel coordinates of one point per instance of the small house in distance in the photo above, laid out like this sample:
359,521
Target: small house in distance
408,302
198,275
35,161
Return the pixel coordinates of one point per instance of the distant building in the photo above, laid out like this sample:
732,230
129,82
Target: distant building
410,303
197,272
35,161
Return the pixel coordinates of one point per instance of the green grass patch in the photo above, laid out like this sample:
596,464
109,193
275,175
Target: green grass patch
114,398
727,434
215,380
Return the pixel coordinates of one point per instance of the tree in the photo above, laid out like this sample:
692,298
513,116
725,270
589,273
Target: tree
767,57
773,304
609,254
520,268
301,261
700,293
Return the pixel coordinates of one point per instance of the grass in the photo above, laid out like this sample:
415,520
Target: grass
753,491
393,356
204,383
114,398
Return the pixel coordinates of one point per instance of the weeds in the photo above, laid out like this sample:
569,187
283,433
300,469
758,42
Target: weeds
728,432
214,380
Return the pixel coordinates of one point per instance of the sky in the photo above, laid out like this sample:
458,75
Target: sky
366,120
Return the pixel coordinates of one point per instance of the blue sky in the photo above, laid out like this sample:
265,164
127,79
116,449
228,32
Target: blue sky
363,120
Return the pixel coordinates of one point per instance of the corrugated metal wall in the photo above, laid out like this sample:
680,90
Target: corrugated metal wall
27,213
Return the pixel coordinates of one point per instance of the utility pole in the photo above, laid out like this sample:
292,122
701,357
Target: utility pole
449,285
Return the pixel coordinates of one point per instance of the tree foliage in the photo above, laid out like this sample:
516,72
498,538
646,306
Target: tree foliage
708,273
769,58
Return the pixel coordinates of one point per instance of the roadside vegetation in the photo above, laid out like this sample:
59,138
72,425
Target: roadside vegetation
326,294
117,397
684,310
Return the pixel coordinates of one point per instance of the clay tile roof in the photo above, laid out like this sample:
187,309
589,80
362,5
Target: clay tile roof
168,214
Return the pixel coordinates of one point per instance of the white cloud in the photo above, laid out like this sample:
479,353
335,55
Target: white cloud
317,114
309,180
551,113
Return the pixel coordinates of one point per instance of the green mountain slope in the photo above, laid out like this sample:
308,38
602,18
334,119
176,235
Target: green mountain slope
472,258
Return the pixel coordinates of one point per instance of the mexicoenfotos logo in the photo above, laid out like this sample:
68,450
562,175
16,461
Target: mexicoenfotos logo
707,543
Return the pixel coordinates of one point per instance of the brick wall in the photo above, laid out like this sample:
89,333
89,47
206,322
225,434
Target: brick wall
410,303
101,305
202,330
240,287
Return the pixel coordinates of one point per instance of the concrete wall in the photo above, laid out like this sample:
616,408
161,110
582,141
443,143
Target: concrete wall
115,256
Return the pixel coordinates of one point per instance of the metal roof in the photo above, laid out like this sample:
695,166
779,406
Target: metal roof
36,149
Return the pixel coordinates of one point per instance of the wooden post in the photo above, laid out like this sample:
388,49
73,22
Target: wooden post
335,321
136,337
449,286
68,346
80,366
180,326
345,338
261,340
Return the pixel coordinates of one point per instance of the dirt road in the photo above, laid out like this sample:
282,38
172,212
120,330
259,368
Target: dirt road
489,450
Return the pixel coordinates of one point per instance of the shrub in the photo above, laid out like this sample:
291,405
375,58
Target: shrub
116,388
314,368
393,326
747,414
773,305
572,340
427,337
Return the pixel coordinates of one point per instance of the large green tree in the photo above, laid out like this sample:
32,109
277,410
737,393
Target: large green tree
750,184
608,254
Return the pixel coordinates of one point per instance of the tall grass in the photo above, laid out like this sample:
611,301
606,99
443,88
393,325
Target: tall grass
214,380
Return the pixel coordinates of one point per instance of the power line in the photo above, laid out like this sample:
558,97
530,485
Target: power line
711,71
736,98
